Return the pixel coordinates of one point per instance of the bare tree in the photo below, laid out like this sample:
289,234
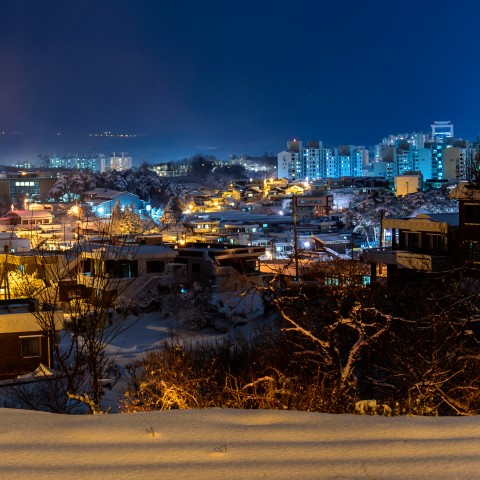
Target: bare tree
79,287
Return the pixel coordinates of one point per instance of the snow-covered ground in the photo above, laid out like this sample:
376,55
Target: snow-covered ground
229,444
149,330
236,444
145,333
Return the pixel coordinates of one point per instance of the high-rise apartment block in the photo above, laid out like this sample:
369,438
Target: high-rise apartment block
315,160
436,157
95,163
435,161
119,162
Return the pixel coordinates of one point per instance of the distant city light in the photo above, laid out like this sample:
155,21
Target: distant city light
114,135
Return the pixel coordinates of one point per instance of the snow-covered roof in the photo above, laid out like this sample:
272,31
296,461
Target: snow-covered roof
105,193
236,215
465,191
452,219
30,213
329,238
133,251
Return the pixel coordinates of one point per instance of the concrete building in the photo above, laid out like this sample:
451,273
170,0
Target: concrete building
408,183
315,160
441,131
119,162
454,167
95,163
30,185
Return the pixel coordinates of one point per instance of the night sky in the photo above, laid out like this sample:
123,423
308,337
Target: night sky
225,76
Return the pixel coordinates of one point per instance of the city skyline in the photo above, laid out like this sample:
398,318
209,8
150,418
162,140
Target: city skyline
218,78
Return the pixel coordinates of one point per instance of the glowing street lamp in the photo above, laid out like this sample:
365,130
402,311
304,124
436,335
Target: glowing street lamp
75,210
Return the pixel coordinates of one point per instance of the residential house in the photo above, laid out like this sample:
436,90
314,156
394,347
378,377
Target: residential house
232,194
468,196
102,200
203,226
140,271
223,268
252,194
28,219
429,244
310,206
11,242
426,244
330,243
23,344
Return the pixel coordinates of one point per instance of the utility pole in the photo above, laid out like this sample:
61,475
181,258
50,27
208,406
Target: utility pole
295,238
382,215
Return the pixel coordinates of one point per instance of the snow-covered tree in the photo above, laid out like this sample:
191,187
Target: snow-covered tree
173,212
81,181
72,184
142,181
126,221
79,344
24,285
365,211
131,220
60,188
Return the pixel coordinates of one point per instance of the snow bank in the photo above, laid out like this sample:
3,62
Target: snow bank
236,444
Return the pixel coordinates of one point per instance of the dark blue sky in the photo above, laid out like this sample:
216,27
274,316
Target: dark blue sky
225,76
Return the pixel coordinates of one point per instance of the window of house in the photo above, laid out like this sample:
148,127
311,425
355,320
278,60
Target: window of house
126,270
438,243
331,280
196,268
472,213
30,346
413,240
155,266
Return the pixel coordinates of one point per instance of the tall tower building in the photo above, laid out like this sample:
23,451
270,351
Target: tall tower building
441,131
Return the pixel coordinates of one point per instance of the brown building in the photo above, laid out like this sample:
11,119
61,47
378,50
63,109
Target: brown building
23,345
